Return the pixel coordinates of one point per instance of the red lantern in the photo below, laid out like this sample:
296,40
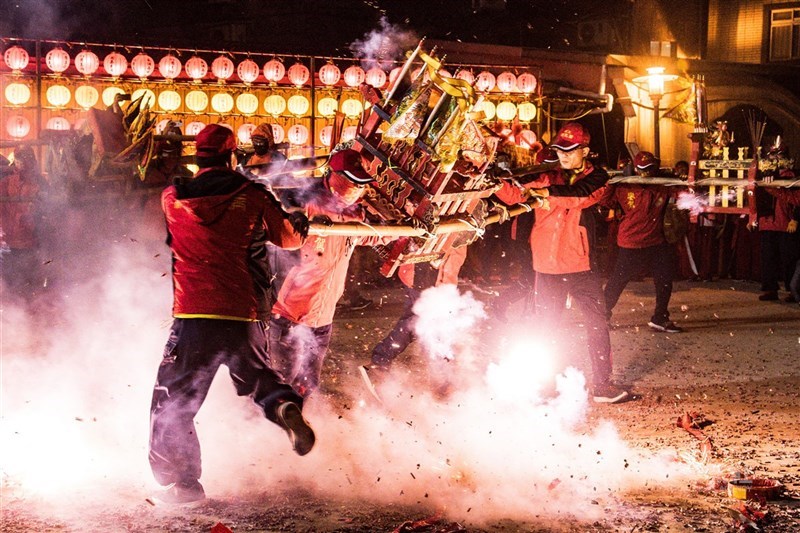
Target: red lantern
485,81
376,77
115,64
326,136
506,82
394,73
193,128
169,67
354,76
87,62
142,65
248,71
57,123
466,75
298,74
526,82
278,133
329,74
222,68
57,60
16,58
196,67
298,134
18,126
274,71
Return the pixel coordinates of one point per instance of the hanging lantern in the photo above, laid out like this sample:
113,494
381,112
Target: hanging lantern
17,93
115,64
244,132
466,75
354,76
506,111
298,74
148,97
16,59
193,128
161,125
488,108
298,134
57,60
275,105
196,101
327,106
526,111
526,139
274,71
352,107
87,62
349,133
329,74
86,96
526,82
58,124
394,73
142,65
278,133
298,105
506,82
247,71
196,67
326,136
169,67
247,103
109,93
222,68
169,101
485,81
376,77
18,126
222,102
58,95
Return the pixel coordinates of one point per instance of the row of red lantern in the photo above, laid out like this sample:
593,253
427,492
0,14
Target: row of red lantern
170,67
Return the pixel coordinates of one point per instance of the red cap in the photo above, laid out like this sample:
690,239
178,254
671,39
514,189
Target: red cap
546,155
214,140
643,160
570,137
348,164
264,131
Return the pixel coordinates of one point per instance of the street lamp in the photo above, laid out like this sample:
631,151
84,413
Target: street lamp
655,81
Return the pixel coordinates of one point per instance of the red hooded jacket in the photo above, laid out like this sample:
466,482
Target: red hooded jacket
643,208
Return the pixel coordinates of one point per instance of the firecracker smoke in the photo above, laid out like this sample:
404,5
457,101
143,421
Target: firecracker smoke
383,46
79,365
692,202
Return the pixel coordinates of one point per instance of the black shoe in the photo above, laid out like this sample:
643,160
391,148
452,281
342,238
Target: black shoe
768,296
667,327
359,304
300,433
789,299
182,492
609,393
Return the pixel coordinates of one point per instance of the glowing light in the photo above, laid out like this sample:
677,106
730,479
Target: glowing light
352,108
488,108
244,132
278,133
526,139
193,128
275,105
506,82
18,126
58,124
376,77
17,93
298,105
525,368
86,96
222,102
327,106
466,75
326,136
109,93
87,62
526,111
329,74
16,58
394,73
57,60
169,100
298,74
196,101
274,71
526,82
248,71
162,125
115,64
196,67
247,103
169,67
506,111
58,95
142,65
222,68
297,134
148,97
349,133
354,76
485,81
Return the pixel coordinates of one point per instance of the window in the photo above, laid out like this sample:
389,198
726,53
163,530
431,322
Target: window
784,34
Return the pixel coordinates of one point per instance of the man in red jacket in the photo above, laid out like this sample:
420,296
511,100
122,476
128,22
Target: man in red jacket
562,243
641,241
218,223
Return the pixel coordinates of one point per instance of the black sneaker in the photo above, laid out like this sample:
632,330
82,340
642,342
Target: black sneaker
300,433
667,327
609,393
768,296
182,492
359,303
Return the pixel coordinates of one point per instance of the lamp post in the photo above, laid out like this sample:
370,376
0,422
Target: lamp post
655,80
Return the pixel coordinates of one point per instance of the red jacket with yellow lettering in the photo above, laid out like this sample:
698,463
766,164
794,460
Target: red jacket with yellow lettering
218,224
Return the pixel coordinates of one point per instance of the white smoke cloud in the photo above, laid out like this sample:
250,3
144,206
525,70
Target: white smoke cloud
383,46
692,202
